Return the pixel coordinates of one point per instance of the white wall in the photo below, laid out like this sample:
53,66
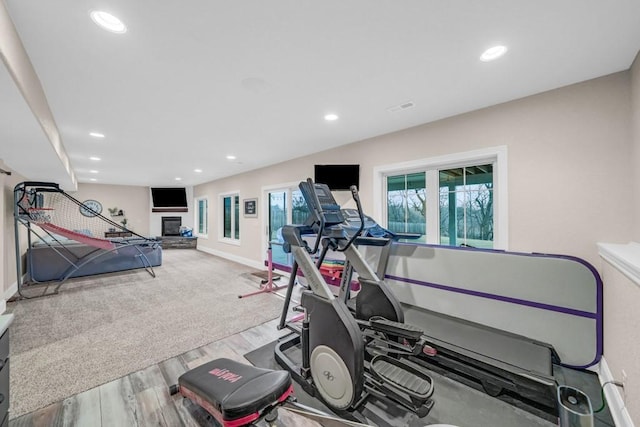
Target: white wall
133,200
573,177
7,237
622,295
621,333
570,178
2,237
136,203
635,129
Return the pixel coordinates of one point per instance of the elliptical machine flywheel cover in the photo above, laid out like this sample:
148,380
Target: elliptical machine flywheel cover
331,377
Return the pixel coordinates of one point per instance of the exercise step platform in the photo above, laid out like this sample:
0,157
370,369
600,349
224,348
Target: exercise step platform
408,379
404,383
235,394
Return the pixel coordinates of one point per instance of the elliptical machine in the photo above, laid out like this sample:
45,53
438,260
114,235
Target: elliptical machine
346,359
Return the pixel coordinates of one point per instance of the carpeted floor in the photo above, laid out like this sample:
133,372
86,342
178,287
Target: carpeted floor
103,327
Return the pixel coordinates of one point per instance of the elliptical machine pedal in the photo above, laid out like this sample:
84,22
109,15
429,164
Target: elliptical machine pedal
407,385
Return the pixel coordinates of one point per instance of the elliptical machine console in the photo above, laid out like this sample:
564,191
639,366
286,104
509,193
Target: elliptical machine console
341,363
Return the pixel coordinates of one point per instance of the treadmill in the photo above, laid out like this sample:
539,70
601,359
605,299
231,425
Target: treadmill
504,365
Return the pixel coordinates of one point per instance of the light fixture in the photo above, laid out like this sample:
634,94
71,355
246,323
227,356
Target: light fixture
492,53
197,170
108,21
331,117
95,159
96,134
92,179
93,171
231,157
178,179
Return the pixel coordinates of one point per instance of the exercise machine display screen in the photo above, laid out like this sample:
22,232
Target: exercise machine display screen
329,210
328,205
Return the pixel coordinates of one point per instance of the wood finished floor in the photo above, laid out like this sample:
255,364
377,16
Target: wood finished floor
142,398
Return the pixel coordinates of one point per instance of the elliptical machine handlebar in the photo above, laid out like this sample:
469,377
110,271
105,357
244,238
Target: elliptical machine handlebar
317,212
316,206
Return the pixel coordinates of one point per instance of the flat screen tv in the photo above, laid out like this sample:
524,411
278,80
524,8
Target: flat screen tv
338,177
169,197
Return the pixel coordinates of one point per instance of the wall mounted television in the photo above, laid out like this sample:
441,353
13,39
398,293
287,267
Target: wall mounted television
338,177
169,199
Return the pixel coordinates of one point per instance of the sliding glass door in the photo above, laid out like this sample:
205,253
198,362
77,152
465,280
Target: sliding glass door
286,206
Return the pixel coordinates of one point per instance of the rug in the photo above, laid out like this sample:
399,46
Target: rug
104,327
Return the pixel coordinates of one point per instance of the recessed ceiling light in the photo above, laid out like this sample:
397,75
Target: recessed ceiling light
92,179
331,117
95,159
108,21
178,179
93,171
197,170
492,53
96,134
231,157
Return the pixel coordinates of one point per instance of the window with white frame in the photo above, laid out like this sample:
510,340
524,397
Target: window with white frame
202,215
230,217
466,206
286,205
406,203
457,200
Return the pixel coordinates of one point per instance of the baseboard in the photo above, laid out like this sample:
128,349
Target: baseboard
615,401
235,258
11,291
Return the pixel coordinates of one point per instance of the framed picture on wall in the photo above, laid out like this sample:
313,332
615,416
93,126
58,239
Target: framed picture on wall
250,208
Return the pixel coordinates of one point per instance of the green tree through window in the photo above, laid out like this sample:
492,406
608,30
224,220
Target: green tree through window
466,206
202,214
231,217
406,203
465,209
286,206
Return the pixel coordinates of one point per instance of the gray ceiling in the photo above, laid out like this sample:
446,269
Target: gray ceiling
193,81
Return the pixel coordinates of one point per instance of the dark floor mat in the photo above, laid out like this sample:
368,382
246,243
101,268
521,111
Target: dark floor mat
455,404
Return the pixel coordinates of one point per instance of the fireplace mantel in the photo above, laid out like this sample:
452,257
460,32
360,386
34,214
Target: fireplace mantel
169,209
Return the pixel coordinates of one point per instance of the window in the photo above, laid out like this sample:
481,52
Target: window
406,203
286,206
452,200
230,218
466,206
202,215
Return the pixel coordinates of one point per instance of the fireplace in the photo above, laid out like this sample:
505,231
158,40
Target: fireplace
171,225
